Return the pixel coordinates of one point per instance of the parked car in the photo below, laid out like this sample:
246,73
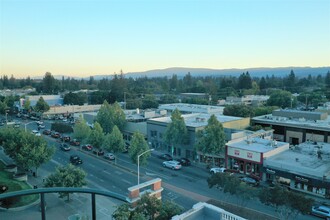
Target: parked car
109,156
165,157
65,147
321,211
217,170
39,122
172,164
250,181
75,160
41,126
65,138
46,132
98,152
75,142
87,147
184,161
56,135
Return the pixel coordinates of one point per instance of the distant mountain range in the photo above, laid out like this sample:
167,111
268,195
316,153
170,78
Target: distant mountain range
195,72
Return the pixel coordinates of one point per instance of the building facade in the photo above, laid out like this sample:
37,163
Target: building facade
156,128
296,127
304,168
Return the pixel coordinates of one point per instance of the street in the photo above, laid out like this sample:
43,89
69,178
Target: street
185,187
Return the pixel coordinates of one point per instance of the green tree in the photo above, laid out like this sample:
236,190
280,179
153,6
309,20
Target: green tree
26,149
3,107
81,131
149,101
280,98
327,80
211,140
148,207
41,105
66,176
34,152
49,84
96,136
114,141
27,104
118,116
109,116
287,204
231,184
239,111
176,131
75,98
138,146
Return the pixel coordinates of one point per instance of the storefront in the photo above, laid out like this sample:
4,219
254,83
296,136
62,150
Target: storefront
296,182
244,161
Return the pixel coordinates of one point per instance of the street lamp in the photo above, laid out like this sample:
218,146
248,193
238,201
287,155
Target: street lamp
138,162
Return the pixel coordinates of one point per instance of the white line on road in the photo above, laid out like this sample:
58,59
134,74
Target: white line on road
57,163
126,181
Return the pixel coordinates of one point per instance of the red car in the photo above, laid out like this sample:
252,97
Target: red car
87,147
74,142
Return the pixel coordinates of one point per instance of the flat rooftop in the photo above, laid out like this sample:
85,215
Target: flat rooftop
198,119
303,159
193,108
295,122
256,144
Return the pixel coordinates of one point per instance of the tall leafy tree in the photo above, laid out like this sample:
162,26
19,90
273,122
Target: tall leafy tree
176,132
27,150
118,115
114,141
96,136
27,104
287,204
211,140
104,117
149,101
239,111
66,176
148,207
41,105
49,84
138,146
280,98
81,130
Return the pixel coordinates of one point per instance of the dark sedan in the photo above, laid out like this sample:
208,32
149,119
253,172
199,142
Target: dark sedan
184,161
165,157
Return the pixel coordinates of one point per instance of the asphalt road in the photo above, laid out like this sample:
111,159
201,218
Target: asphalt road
185,187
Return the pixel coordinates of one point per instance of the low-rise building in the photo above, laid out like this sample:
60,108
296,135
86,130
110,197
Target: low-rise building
305,168
156,128
247,156
295,126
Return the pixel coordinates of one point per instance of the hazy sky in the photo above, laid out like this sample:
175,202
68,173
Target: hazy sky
86,37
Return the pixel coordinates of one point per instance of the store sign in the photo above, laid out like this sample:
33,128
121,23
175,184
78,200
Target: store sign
244,154
301,179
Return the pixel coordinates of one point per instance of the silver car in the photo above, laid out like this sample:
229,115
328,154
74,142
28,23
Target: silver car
321,211
172,164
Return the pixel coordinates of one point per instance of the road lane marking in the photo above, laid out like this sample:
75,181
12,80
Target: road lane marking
57,163
126,181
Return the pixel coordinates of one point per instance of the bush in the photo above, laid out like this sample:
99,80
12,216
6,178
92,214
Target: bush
61,127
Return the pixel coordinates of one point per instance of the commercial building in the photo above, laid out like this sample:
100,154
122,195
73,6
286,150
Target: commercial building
295,127
305,168
156,128
247,156
185,108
